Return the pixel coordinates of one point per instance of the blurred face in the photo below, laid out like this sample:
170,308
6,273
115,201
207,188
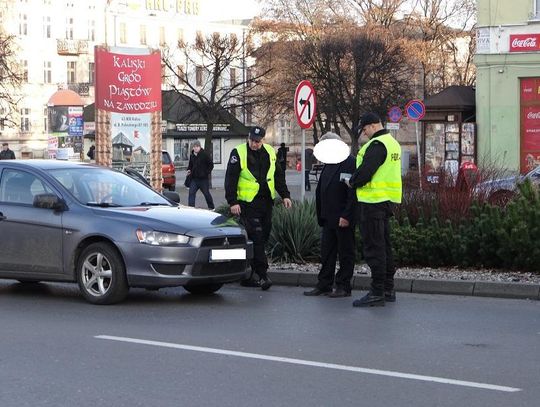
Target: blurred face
196,149
5,147
255,145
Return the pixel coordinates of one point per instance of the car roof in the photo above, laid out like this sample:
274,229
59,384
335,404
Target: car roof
47,164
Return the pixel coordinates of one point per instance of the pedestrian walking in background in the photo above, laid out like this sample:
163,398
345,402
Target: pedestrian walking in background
378,185
308,166
335,203
282,156
251,181
91,152
6,153
199,169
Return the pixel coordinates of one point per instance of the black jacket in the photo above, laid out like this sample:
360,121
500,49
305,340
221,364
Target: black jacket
258,163
373,158
7,155
200,165
333,198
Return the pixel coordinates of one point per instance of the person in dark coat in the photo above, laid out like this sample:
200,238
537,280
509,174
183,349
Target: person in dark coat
335,203
6,153
91,152
282,156
199,168
308,167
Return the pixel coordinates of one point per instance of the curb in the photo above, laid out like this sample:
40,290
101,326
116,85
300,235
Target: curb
421,286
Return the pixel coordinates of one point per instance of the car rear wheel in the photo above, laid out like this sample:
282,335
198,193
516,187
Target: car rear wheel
172,187
203,289
101,274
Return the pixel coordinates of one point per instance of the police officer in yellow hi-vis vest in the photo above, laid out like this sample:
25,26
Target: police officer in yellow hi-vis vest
251,182
377,181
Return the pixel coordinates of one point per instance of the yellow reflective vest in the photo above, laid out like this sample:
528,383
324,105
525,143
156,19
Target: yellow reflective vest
248,187
386,183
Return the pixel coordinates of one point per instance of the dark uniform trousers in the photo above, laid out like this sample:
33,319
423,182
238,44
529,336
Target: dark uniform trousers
336,243
377,251
258,223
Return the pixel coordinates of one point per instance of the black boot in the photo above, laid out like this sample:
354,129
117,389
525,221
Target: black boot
317,291
390,295
265,283
369,300
250,282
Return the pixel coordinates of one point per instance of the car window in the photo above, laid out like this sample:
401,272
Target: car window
165,158
105,187
18,186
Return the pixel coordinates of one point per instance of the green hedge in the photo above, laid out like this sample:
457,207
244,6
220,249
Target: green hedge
432,230
505,238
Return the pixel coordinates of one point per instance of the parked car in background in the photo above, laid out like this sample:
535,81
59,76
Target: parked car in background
501,190
73,222
168,171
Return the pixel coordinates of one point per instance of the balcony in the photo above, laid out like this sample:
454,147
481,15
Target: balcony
71,47
82,89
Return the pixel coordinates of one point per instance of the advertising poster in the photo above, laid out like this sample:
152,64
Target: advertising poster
52,146
128,108
76,127
131,137
128,83
58,119
530,124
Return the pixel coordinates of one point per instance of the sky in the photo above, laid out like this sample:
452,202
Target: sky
229,9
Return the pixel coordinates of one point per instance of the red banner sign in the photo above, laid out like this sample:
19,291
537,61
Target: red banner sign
524,42
530,124
127,83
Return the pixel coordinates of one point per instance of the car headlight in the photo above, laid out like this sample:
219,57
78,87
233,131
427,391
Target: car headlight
155,238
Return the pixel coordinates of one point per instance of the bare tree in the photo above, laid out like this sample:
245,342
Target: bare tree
354,69
11,77
216,76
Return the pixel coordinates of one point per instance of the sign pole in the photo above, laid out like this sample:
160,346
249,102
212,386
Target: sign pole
305,106
303,167
418,154
416,110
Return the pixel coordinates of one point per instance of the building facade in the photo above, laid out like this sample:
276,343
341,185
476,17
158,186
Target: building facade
56,51
508,83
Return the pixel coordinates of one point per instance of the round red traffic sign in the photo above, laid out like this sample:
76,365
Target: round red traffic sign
395,114
415,110
305,104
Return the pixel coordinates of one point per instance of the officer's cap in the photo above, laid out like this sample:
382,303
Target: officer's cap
256,133
368,118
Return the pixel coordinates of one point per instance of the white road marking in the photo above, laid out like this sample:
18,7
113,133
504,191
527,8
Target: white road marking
303,362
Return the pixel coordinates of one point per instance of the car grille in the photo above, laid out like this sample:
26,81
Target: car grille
220,241
216,269
169,269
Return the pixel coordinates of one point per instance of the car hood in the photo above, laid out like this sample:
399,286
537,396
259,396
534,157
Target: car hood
182,219
501,183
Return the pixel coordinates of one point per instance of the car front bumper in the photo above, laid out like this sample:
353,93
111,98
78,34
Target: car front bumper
158,266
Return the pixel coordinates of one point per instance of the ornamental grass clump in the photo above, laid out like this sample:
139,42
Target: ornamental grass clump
295,235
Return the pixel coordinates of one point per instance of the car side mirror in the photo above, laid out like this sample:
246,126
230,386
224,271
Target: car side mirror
172,196
49,201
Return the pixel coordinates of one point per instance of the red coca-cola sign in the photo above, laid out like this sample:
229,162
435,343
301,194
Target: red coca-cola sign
524,42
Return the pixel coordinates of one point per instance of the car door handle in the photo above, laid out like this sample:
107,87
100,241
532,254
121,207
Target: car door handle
2,217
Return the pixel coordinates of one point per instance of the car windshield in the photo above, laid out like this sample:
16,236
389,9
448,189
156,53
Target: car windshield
106,188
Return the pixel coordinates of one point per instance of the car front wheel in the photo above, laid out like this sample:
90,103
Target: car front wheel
101,274
203,289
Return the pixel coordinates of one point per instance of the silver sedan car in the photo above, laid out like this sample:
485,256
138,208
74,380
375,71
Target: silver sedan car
71,222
